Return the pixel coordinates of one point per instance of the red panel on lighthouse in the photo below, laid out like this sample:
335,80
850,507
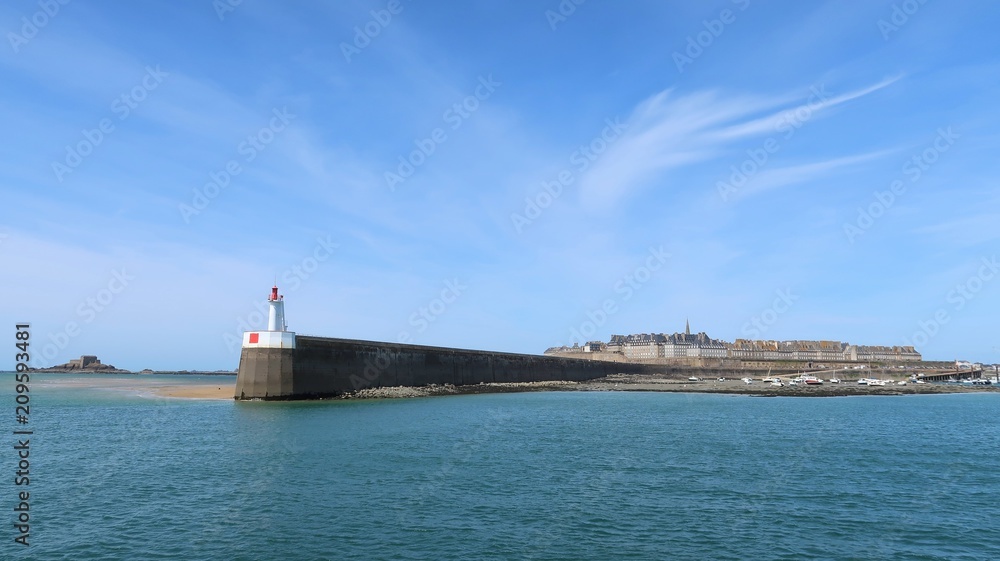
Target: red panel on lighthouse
254,338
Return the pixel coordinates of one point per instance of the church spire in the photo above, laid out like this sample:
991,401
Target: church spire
687,327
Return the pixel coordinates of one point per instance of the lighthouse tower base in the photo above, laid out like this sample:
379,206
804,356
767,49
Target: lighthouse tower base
265,373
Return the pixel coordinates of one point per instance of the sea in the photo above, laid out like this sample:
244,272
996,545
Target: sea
120,473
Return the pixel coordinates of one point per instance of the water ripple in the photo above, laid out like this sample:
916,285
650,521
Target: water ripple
523,476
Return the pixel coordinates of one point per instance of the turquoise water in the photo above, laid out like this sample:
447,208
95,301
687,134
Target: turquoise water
540,476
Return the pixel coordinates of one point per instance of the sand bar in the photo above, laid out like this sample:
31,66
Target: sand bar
198,391
202,387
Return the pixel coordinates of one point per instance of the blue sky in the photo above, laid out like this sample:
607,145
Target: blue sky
499,175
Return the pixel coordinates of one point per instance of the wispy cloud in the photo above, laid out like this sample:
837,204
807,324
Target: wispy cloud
818,99
964,231
667,132
775,178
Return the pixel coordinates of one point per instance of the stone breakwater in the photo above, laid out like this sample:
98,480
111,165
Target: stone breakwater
324,367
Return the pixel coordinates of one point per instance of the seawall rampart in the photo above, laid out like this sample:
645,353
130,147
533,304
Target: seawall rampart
324,367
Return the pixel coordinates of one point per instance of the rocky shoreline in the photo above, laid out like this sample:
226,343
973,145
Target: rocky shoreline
646,383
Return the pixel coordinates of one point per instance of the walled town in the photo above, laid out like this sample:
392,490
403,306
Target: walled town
651,346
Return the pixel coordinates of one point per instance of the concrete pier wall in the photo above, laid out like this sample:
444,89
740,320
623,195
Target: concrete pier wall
264,372
323,367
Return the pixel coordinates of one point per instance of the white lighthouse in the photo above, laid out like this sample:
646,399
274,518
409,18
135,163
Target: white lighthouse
277,335
276,315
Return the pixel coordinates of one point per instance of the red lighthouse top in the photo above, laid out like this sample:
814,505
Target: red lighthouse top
274,293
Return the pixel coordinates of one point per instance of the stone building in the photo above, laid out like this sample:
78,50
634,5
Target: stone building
873,353
815,350
644,346
85,361
677,345
759,350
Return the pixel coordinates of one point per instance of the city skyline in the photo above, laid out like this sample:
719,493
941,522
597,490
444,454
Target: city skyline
701,345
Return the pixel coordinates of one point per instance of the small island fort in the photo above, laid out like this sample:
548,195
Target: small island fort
86,363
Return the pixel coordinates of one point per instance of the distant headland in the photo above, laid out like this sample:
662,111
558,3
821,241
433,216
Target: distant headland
90,364
86,363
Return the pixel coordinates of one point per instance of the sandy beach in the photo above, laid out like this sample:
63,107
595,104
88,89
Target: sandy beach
197,391
178,386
